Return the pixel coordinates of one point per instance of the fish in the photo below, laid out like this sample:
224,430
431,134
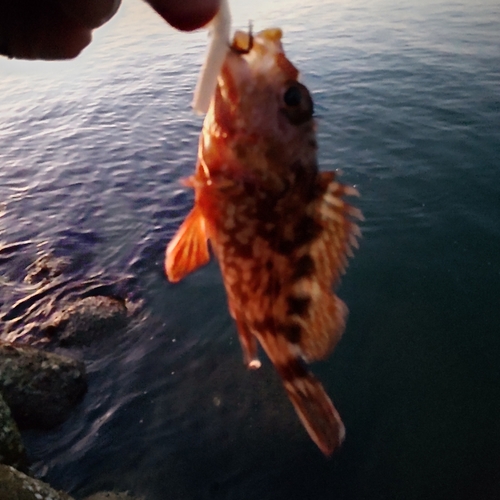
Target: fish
280,229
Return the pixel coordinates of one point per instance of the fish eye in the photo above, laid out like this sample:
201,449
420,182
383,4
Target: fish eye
292,96
298,106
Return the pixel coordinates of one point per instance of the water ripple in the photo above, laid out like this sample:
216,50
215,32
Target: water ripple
91,152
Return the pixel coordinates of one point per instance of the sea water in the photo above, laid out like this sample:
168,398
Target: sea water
407,100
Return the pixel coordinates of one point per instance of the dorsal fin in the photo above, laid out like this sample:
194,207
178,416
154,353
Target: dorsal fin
188,250
309,313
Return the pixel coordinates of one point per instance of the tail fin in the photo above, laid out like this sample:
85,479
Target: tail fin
313,406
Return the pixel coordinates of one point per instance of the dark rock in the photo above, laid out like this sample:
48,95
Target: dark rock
111,495
86,320
12,450
45,268
40,388
15,485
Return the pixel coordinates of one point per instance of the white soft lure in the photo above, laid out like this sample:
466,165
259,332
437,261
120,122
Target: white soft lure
220,31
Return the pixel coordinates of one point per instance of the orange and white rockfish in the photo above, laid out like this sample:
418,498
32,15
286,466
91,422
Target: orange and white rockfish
280,229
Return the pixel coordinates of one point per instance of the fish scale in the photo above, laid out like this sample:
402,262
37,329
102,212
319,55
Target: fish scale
280,229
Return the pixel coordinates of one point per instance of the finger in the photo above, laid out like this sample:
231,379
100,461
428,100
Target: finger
34,29
186,15
90,13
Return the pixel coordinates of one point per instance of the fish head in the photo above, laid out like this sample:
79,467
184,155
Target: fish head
260,109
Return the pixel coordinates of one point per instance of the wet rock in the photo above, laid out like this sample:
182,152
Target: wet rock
40,388
86,320
111,495
15,485
12,450
45,268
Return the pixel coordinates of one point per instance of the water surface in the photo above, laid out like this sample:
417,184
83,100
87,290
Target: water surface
408,105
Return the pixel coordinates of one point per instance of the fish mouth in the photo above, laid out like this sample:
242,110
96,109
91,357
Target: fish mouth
242,42
252,84
253,56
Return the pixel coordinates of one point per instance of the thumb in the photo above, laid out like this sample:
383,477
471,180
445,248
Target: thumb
186,15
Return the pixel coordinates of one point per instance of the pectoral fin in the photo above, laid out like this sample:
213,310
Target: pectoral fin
188,250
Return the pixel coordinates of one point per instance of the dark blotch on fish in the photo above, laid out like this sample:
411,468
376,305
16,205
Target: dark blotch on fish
304,268
292,332
293,369
273,287
298,305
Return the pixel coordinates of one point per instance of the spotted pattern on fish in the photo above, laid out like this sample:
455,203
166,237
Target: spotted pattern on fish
280,229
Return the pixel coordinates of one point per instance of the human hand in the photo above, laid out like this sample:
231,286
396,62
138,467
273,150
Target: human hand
61,29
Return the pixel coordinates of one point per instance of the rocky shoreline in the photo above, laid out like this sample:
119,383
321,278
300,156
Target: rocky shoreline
14,485
39,389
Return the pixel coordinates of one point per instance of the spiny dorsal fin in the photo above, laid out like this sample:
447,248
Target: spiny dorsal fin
340,233
312,314
188,250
